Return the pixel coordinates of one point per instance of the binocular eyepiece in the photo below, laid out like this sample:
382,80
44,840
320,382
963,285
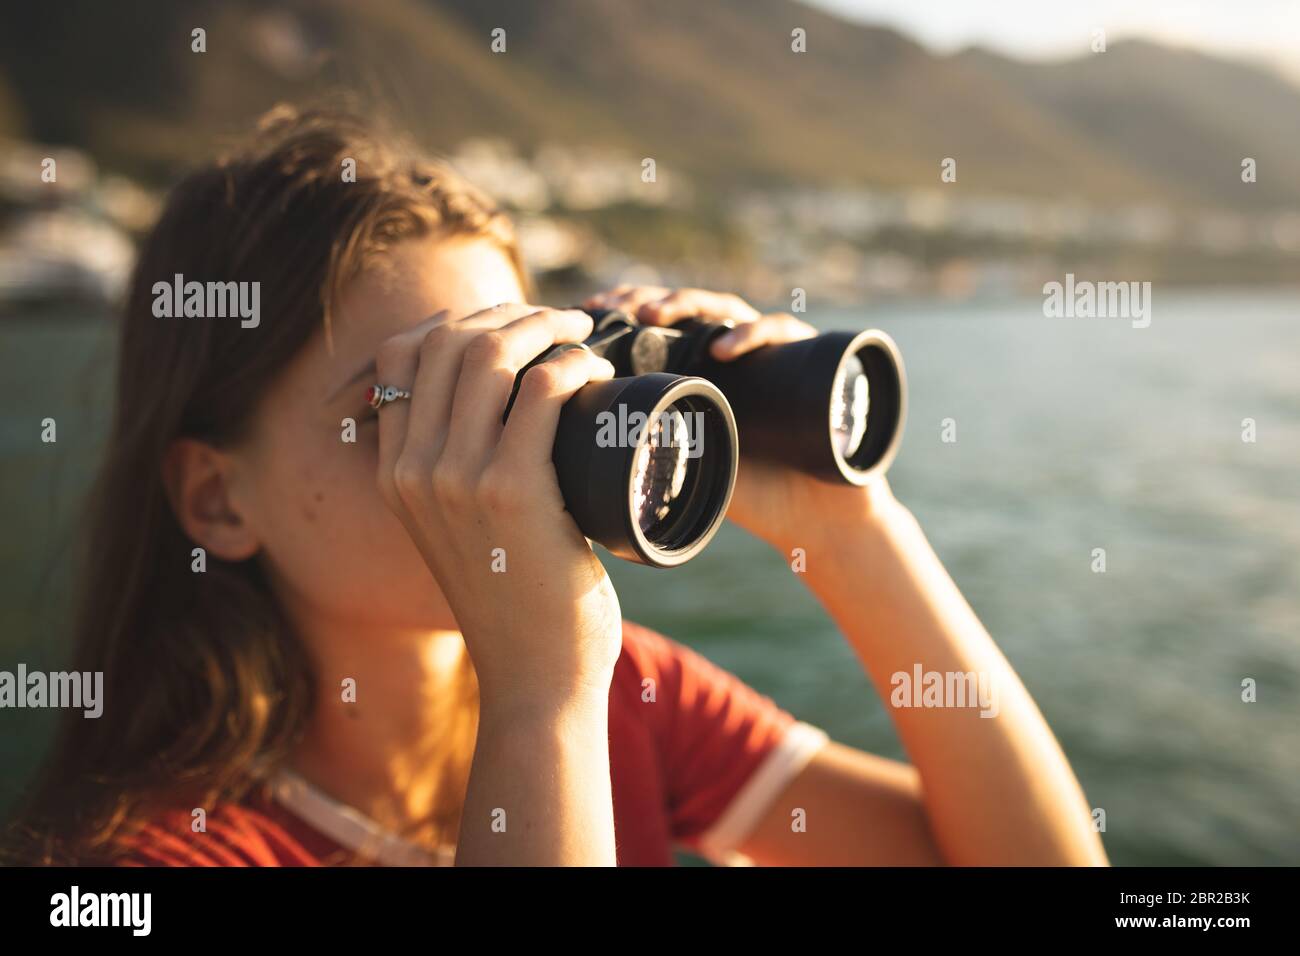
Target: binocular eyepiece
647,460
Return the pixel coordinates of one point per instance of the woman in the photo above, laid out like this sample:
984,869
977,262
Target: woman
311,654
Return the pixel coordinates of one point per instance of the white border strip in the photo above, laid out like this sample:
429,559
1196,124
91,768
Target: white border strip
795,751
349,827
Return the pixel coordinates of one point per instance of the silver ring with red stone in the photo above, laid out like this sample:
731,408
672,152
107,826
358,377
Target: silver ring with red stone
380,395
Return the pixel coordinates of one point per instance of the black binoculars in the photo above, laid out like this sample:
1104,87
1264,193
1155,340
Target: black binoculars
647,460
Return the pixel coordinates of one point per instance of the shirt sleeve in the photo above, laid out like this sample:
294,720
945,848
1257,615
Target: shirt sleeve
727,751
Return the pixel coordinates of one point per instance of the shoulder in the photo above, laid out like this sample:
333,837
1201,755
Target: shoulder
655,669
647,653
659,669
725,749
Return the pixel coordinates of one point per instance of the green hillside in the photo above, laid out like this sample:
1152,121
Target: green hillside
709,87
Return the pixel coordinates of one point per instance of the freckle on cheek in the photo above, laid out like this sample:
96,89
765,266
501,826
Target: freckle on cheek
308,512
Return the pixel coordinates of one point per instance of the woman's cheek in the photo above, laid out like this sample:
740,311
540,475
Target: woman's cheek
354,547
330,537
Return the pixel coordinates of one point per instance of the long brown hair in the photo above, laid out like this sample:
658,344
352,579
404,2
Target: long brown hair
206,684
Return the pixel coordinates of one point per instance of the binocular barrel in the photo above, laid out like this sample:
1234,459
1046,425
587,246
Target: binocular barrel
647,465
832,406
647,461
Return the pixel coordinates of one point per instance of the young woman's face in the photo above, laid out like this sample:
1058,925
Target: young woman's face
332,547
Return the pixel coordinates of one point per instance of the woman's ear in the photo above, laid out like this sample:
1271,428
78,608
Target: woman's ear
198,479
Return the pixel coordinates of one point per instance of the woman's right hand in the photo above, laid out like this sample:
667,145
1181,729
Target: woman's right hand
540,617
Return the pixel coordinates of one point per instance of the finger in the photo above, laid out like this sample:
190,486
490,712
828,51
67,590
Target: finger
529,435
396,362
440,354
768,330
632,298
601,300
487,377
688,303
488,317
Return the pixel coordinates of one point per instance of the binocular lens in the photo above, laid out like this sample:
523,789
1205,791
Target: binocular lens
832,406
850,396
660,472
647,465
868,406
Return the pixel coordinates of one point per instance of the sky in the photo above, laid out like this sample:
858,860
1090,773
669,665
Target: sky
1267,30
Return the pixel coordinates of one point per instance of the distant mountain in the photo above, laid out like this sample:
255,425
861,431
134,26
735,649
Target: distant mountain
1185,118
709,86
714,85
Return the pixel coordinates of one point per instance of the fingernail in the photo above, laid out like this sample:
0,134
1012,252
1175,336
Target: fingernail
723,344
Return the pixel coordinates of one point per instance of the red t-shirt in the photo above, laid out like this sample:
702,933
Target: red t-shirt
696,758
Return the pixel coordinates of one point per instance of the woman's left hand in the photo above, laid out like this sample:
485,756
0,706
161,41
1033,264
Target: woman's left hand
784,507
